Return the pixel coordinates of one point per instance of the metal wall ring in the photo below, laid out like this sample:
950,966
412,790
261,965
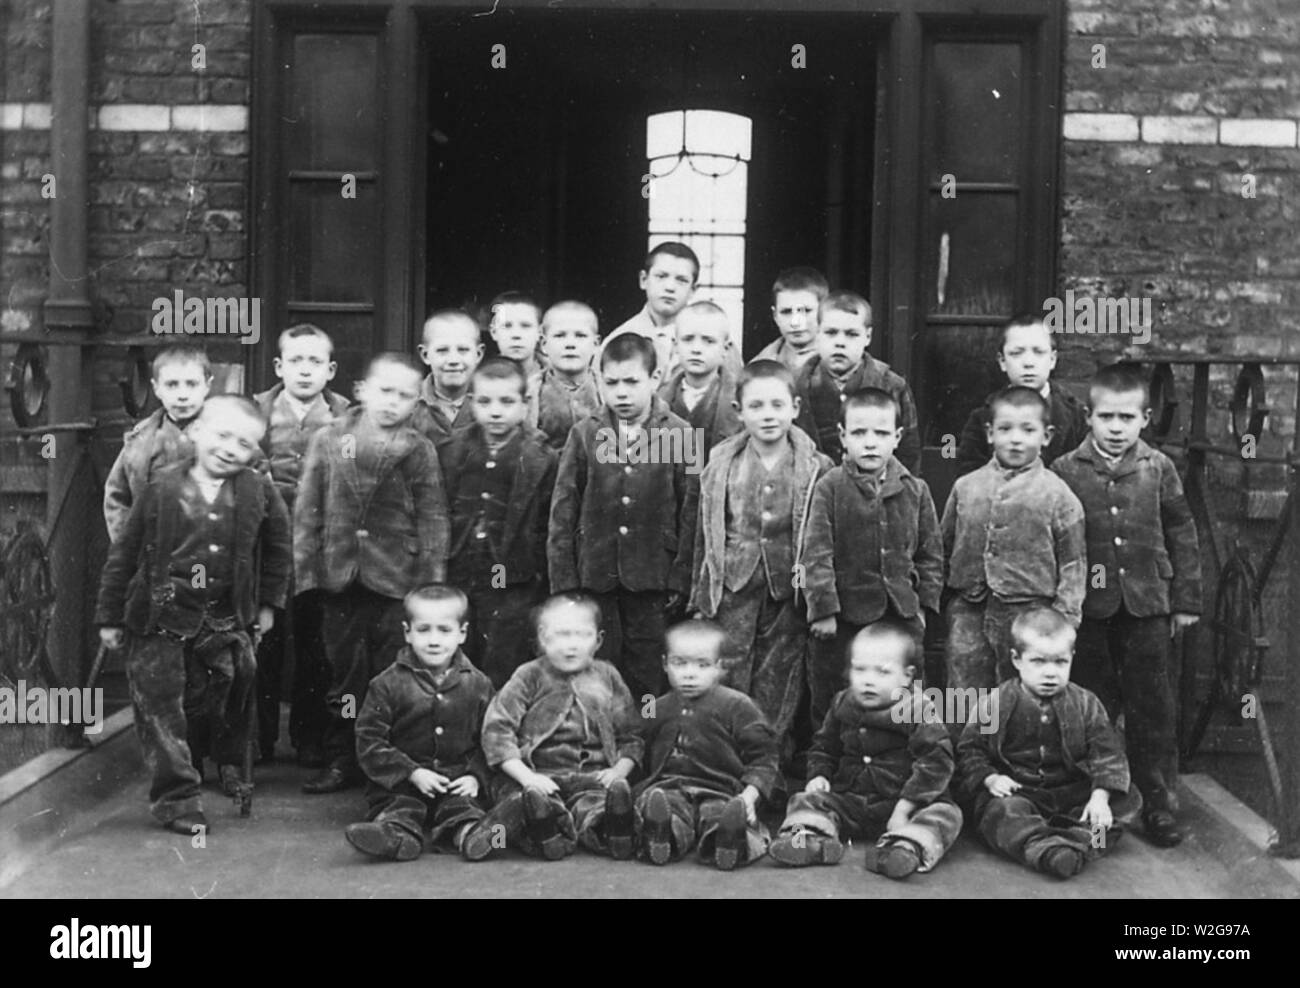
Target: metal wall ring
135,382
1248,408
1164,401
28,384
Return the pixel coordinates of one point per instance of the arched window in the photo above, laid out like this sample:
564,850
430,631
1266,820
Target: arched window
699,168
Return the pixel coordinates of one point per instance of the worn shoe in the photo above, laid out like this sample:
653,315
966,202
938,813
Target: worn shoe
189,824
657,829
232,779
477,843
619,825
332,779
542,827
379,841
730,842
801,847
1063,862
1162,829
896,859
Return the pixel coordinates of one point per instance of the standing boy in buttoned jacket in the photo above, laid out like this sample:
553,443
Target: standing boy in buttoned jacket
451,345
200,567
568,392
499,474
710,758
703,388
370,524
562,734
843,365
1144,583
1040,762
182,376
755,500
623,513
796,295
879,767
295,409
418,735
1013,535
874,548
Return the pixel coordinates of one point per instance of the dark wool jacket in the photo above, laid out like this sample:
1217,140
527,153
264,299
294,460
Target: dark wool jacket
868,550
616,524
1066,414
723,732
136,583
536,701
523,543
559,406
714,414
150,445
711,521
408,721
819,406
285,459
901,752
1139,529
431,422
1090,746
393,538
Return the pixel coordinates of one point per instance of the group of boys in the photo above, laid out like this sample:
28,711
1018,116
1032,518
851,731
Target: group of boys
483,570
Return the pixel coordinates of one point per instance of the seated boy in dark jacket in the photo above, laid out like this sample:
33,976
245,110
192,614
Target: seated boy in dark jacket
1040,761
499,474
563,735
879,767
204,558
418,734
710,757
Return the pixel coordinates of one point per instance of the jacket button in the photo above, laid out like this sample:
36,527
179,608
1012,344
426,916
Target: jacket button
1118,540
1121,571
866,759
625,499
480,534
622,529
437,730
362,533
1046,718
1114,509
213,516
627,469
214,548
485,496
489,464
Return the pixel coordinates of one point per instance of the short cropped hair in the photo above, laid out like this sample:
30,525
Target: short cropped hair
216,403
801,279
514,298
673,249
845,301
630,346
451,315
500,369
389,357
704,307
1018,396
869,398
699,627
437,593
1041,622
764,370
1025,319
182,353
884,630
1123,378
572,305
305,329
570,598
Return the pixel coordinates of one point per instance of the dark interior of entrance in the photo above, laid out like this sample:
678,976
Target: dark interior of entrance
535,170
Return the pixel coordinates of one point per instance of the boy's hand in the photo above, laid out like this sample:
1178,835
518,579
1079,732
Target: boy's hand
466,785
1097,812
818,783
750,795
429,782
1177,622
265,622
1001,785
544,783
112,638
620,770
823,627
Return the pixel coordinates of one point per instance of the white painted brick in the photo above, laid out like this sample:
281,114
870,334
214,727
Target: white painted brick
36,116
1258,133
1100,127
11,116
209,116
1180,130
134,116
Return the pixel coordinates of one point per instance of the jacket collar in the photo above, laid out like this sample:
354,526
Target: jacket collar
659,414
459,664
334,401
887,485
1128,463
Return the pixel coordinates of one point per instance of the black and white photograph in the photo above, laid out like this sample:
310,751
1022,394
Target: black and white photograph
651,449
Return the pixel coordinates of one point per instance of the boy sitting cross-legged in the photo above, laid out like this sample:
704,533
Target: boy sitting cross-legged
710,757
418,734
562,733
879,767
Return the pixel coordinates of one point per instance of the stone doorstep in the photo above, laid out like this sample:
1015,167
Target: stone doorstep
1245,825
